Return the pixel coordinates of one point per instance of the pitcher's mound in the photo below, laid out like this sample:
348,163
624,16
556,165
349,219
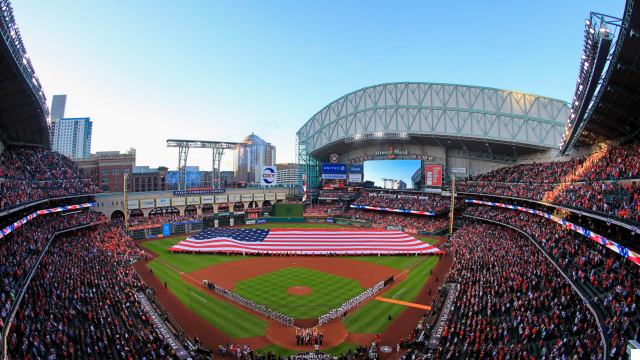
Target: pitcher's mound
299,290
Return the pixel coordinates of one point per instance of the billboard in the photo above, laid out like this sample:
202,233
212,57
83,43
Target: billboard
334,169
355,178
270,196
434,175
234,198
258,197
197,191
209,199
163,202
177,201
355,169
133,204
247,197
193,200
221,199
459,170
147,203
334,176
267,175
281,196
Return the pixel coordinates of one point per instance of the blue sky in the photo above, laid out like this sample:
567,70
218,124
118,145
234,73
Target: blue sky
147,71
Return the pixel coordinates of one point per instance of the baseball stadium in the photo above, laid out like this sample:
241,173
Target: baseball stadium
515,241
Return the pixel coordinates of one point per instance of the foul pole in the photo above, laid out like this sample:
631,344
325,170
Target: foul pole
453,201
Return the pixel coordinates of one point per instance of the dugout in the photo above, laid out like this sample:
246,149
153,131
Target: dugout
288,210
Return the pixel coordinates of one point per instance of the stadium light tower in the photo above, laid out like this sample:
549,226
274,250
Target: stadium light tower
183,151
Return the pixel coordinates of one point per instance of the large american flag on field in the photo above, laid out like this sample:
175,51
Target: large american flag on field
307,241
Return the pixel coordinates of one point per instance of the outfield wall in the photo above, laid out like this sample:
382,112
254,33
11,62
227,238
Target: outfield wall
288,210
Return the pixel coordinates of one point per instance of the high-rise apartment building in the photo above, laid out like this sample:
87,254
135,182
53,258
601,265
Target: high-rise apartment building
288,173
252,152
72,137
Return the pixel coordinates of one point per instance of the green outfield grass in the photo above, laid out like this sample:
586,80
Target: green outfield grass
329,291
372,318
234,322
341,348
185,262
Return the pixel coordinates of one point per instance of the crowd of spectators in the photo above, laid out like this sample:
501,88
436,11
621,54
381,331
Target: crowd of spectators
418,222
608,163
607,278
337,194
423,202
20,248
161,219
34,174
590,183
321,209
512,303
82,303
614,199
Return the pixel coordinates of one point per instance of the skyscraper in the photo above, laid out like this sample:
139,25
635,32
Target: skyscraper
72,137
57,106
252,152
57,112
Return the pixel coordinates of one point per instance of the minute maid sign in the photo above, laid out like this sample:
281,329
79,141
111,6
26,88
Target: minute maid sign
391,153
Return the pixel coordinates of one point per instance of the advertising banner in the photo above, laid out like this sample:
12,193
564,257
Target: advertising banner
355,178
247,197
147,203
334,168
434,175
143,227
343,222
166,229
250,222
393,210
133,204
210,199
459,170
422,232
163,202
334,176
270,196
178,201
258,197
234,197
281,196
393,228
231,222
215,223
355,169
330,220
267,175
221,199
224,214
199,191
193,200
410,231
262,221
376,226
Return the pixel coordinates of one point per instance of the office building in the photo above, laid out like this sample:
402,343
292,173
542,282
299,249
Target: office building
72,137
57,112
107,169
249,155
